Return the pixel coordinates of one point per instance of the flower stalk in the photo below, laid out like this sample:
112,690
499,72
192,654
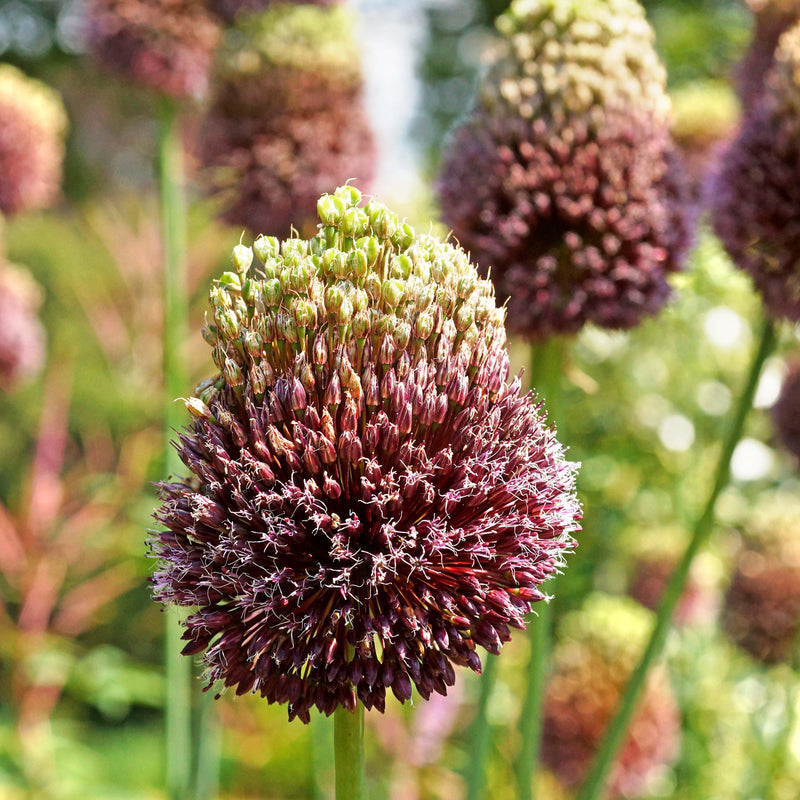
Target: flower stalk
594,784
348,743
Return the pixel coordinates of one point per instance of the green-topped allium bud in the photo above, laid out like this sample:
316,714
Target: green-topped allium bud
287,122
761,613
165,45
598,648
563,180
385,501
755,195
33,123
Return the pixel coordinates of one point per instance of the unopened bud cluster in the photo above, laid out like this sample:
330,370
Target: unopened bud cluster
563,180
375,500
756,192
598,648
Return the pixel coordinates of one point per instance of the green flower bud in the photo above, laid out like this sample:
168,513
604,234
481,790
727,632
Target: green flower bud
358,263
304,313
251,292
371,248
402,236
401,267
242,258
349,194
273,293
330,210
231,282
232,373
210,334
354,222
361,324
334,297
266,247
252,343
227,322
423,325
197,408
465,316
393,291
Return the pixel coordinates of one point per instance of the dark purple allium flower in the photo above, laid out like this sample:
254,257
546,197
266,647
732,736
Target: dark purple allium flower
33,124
369,499
165,45
786,412
761,612
287,122
598,648
22,340
563,181
772,19
228,10
755,197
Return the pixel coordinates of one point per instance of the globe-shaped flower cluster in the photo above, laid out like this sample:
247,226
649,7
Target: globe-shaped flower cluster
166,45
563,180
599,646
370,500
287,121
756,191
761,613
33,124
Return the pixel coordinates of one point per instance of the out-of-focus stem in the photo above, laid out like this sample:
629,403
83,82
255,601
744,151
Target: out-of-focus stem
612,740
348,745
173,217
481,736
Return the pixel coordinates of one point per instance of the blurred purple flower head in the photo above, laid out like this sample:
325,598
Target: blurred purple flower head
563,180
22,339
287,121
369,499
598,648
761,612
755,196
786,412
166,45
772,19
33,124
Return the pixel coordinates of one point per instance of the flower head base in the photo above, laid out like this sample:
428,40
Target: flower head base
756,191
287,121
598,648
786,412
166,45
761,613
33,123
370,499
22,339
563,179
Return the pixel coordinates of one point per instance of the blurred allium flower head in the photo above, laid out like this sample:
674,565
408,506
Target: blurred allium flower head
786,412
761,613
370,500
563,179
756,190
597,650
22,339
228,10
772,19
287,122
166,45
33,123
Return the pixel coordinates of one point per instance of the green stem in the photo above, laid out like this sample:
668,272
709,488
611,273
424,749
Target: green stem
594,783
481,735
546,365
173,217
348,745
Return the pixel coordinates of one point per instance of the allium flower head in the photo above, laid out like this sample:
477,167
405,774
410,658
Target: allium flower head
786,412
287,122
761,613
756,191
165,45
598,648
33,123
563,179
22,341
370,500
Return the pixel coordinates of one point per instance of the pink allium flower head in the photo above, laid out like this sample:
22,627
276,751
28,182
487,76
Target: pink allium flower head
287,121
22,340
598,648
755,196
33,124
761,612
370,500
563,180
166,45
786,412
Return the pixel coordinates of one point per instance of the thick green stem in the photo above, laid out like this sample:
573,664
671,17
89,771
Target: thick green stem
607,752
173,216
546,366
481,734
348,745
